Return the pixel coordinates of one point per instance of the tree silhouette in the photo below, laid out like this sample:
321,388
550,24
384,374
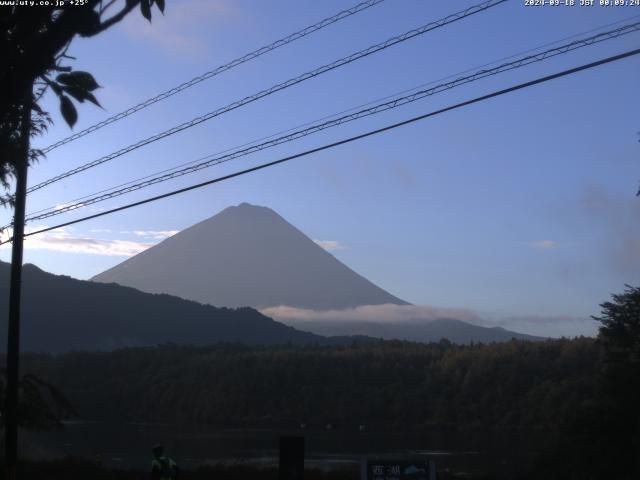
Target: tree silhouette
34,42
620,336
42,405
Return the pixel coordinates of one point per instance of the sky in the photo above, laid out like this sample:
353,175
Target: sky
520,209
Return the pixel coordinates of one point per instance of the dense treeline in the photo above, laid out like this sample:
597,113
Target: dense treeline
517,384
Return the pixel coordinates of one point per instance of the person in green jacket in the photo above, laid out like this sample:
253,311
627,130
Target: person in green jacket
162,467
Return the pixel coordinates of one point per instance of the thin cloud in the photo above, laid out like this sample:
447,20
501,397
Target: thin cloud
155,234
550,325
330,244
61,206
63,240
543,244
541,320
183,30
616,215
548,244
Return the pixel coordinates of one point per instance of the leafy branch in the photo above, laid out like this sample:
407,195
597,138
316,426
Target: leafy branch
35,44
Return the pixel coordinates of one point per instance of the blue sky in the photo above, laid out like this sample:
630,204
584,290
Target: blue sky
520,209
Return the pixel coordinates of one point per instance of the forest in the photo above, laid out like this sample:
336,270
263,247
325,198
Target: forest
518,384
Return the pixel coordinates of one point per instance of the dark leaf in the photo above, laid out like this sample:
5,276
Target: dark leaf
89,24
65,78
81,95
80,79
76,92
92,99
37,108
145,8
68,110
35,153
160,4
56,88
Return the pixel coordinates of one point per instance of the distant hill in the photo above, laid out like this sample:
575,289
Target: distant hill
456,331
247,256
62,314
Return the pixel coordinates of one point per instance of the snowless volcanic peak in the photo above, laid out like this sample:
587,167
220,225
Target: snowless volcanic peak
247,255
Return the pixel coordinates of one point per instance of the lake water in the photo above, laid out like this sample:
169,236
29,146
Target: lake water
128,446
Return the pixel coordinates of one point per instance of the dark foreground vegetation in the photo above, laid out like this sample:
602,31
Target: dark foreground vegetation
584,392
558,386
547,385
74,470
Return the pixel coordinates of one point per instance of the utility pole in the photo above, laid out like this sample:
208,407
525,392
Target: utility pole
13,336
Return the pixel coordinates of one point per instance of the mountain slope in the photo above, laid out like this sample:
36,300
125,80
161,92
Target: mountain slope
61,314
247,256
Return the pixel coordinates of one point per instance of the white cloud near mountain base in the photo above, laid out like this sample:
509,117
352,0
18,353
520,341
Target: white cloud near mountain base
334,321
386,313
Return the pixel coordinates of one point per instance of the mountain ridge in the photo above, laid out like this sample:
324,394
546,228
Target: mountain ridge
60,314
427,331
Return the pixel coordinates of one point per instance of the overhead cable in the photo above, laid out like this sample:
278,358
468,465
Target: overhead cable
217,71
344,141
381,107
334,115
276,88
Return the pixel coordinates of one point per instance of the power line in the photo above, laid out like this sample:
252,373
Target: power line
218,70
326,117
276,88
346,140
395,103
